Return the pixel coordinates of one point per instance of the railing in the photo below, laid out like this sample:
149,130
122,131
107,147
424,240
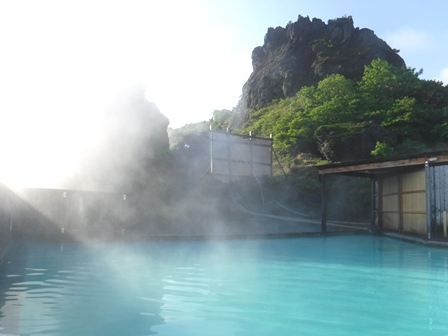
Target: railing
46,212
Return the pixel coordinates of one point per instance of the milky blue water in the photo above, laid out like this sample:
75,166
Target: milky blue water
340,285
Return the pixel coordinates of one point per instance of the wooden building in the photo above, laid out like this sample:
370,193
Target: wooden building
409,193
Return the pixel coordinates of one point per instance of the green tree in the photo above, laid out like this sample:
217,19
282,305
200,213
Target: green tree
334,101
416,111
397,99
221,119
382,149
383,81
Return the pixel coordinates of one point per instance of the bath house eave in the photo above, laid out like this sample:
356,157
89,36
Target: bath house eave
400,192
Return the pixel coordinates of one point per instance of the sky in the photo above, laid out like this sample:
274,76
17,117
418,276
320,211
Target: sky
62,62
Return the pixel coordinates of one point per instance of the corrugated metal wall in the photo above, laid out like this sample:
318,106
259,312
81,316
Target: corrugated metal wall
440,195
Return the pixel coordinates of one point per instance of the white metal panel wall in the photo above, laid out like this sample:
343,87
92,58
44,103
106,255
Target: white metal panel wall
236,156
440,193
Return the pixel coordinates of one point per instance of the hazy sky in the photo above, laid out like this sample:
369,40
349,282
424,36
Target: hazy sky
62,61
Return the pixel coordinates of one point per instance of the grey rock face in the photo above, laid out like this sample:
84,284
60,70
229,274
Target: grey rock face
304,53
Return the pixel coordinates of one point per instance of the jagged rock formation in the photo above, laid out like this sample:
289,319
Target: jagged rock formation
304,53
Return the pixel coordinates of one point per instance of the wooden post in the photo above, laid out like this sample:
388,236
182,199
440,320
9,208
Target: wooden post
374,202
63,214
444,224
11,220
271,160
211,150
251,158
400,202
324,203
429,198
229,163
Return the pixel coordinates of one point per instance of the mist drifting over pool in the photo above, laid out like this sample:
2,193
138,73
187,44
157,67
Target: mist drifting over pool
313,285
126,182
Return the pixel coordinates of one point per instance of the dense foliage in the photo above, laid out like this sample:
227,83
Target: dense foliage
392,106
221,119
413,110
178,136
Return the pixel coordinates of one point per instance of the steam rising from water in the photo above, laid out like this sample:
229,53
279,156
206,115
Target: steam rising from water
122,150
132,185
50,150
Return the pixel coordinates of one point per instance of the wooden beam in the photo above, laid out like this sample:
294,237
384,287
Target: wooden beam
430,213
400,203
372,166
373,200
366,166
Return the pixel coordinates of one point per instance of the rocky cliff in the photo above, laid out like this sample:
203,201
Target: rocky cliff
304,53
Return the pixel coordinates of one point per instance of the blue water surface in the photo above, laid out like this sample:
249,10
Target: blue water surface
336,285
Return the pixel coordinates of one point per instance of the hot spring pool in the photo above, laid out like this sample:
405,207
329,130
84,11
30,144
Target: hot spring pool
338,285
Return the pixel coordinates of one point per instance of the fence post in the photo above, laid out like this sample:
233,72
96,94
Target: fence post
324,203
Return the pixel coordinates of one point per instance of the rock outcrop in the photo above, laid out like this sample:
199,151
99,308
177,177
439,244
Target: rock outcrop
304,53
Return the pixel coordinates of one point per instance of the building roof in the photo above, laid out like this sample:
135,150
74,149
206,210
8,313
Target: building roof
384,166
